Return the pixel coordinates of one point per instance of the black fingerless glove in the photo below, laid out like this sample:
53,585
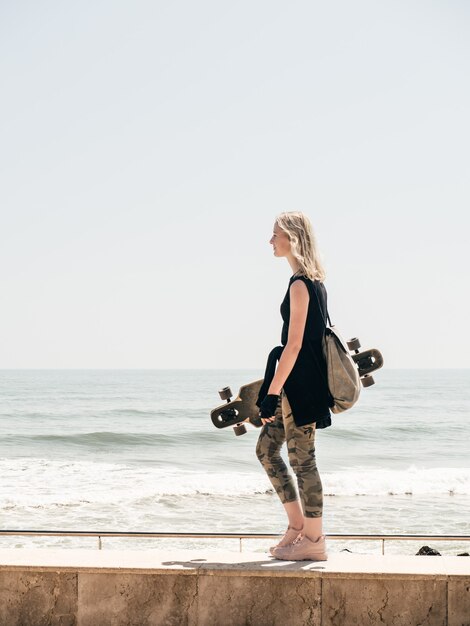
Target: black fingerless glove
268,406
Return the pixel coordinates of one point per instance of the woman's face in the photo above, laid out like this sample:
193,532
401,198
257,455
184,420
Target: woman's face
280,242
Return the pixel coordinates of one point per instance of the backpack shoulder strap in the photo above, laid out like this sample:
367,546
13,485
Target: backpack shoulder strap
321,310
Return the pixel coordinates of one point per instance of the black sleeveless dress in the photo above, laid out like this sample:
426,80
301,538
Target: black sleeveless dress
306,387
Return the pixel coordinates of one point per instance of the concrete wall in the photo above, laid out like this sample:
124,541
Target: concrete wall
97,588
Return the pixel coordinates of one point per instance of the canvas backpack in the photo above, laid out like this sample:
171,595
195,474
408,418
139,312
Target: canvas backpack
344,382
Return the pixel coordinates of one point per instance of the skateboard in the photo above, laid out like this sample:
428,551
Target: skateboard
241,409
367,361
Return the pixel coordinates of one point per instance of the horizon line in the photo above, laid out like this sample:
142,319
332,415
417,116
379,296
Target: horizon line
192,369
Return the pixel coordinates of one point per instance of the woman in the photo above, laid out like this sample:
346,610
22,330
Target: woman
294,400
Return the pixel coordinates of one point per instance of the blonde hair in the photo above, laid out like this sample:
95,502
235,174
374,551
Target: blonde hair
298,228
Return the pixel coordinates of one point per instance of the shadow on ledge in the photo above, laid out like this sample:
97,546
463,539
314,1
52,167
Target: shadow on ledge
253,566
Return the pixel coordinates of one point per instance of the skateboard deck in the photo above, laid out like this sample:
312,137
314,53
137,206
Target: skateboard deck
241,409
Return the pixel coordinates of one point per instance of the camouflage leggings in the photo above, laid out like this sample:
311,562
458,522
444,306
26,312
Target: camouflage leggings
301,453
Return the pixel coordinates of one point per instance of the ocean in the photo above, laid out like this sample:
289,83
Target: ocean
135,450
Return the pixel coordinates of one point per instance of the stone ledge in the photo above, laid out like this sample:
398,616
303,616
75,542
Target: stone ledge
45,587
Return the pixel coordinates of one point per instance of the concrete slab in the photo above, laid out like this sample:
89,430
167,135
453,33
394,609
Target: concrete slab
458,601
98,560
203,561
137,599
381,600
38,598
258,601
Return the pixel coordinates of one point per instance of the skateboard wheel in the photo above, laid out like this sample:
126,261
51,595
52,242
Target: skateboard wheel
354,344
367,381
239,430
225,393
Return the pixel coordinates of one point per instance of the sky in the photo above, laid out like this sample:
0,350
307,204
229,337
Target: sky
146,148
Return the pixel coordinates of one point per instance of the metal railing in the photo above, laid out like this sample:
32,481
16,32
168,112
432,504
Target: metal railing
240,536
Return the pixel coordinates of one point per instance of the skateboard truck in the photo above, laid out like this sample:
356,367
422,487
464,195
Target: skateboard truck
226,394
241,409
367,361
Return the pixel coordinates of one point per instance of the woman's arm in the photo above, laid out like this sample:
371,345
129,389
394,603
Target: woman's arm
299,298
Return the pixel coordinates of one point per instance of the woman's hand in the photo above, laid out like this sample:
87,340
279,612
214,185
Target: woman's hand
268,408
